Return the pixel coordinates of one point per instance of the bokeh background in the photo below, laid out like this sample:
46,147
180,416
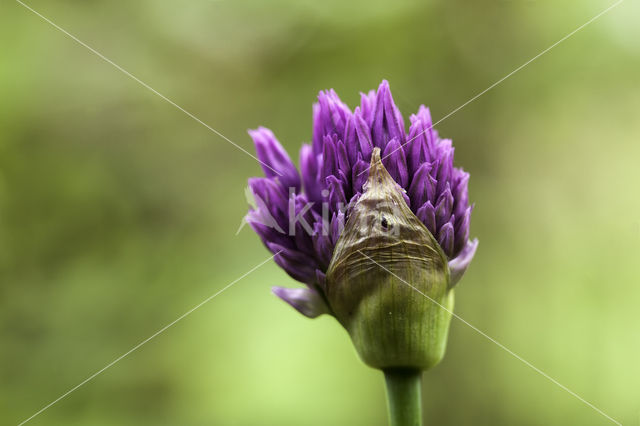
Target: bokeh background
118,212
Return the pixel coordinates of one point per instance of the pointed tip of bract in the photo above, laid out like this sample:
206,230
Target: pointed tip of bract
375,157
377,172
380,183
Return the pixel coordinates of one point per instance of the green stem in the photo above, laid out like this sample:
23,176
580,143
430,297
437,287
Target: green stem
404,396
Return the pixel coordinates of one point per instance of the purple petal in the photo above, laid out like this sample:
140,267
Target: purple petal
268,234
337,197
307,301
427,214
322,244
424,114
387,121
368,106
310,168
395,162
301,221
459,265
446,238
270,192
275,160
444,167
460,191
350,139
317,138
462,230
270,196
359,175
330,118
337,225
431,136
418,144
343,159
393,117
444,206
297,264
378,131
339,110
329,159
423,186
363,136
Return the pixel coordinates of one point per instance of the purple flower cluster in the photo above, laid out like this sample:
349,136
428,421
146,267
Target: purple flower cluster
300,215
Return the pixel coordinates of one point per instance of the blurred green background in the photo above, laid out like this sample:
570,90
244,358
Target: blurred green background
118,212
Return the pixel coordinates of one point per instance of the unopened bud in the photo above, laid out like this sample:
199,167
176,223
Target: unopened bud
388,280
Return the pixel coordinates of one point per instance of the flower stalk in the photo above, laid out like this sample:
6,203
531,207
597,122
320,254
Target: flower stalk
404,396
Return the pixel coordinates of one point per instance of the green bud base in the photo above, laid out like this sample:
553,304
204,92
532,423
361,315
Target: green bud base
404,396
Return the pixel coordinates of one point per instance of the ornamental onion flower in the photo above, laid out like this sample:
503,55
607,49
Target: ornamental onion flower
376,225
300,215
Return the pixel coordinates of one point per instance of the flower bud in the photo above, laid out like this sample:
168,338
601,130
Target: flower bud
388,280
